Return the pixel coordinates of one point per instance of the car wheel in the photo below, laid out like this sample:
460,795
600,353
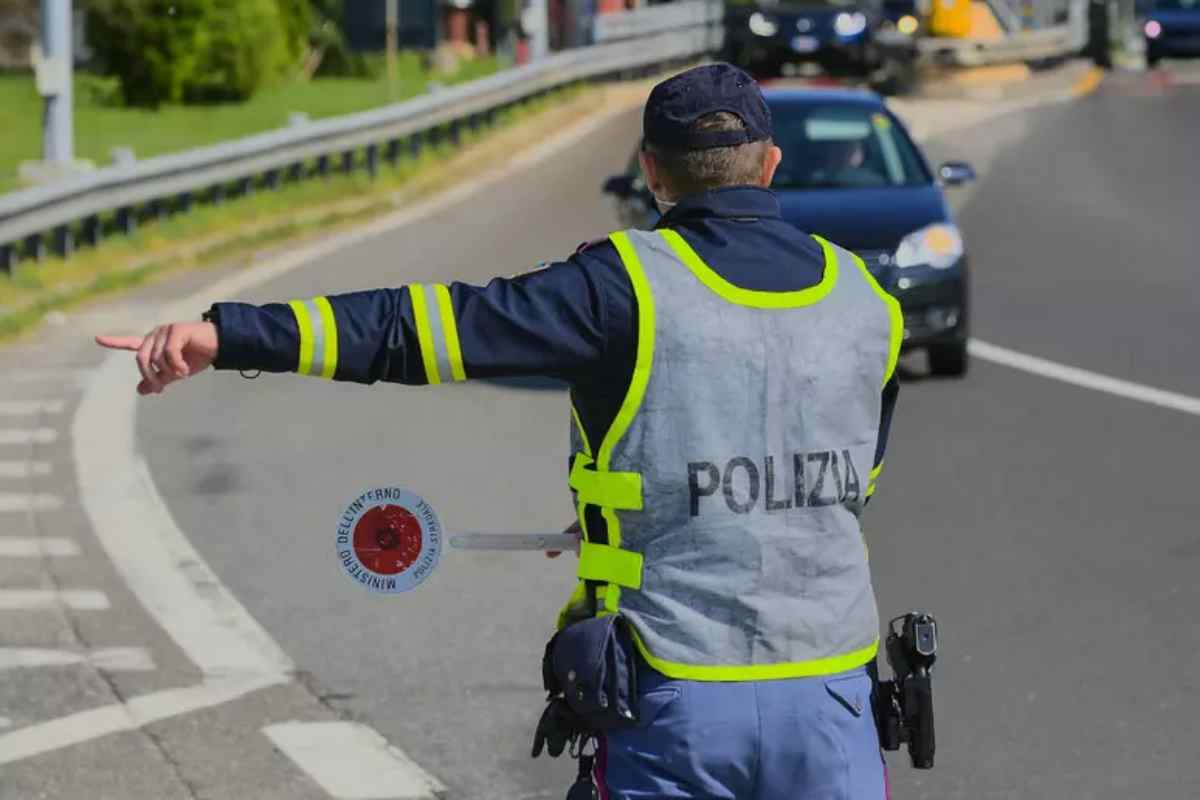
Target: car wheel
948,359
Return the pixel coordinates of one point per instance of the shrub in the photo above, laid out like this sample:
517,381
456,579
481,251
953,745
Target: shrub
195,51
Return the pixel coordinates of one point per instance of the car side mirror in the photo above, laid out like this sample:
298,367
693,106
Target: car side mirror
619,185
956,173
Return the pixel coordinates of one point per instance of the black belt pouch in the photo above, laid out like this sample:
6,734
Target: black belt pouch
592,664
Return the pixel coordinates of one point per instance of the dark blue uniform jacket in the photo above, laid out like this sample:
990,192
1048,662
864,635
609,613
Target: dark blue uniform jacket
575,320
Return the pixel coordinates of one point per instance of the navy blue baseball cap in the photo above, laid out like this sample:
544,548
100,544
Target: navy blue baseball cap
679,101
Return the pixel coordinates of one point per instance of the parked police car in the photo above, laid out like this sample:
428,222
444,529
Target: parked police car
852,174
839,35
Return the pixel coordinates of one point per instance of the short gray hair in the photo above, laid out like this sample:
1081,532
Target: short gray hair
692,171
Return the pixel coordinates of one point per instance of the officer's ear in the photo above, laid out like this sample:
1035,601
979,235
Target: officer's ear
771,159
651,173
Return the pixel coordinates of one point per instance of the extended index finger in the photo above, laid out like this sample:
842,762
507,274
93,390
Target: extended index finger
120,342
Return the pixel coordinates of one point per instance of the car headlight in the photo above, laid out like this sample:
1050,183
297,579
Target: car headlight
907,25
938,246
762,25
849,24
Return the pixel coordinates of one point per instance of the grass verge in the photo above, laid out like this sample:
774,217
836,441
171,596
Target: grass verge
212,235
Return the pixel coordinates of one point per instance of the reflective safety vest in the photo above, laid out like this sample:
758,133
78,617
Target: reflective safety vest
732,478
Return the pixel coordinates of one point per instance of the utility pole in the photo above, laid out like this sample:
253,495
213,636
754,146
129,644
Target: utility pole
54,83
392,24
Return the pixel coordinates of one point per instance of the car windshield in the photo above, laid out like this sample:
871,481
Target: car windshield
1178,5
843,147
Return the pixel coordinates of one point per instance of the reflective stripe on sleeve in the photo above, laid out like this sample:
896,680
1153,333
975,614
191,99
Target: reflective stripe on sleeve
450,331
424,333
318,337
440,350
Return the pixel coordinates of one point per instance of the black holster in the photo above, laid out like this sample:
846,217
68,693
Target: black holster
589,670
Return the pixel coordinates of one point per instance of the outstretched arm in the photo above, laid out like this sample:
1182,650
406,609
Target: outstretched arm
545,322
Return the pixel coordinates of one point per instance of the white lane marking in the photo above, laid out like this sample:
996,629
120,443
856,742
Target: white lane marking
38,599
138,533
28,436
37,546
73,729
24,469
22,407
350,761
109,659
1084,378
27,501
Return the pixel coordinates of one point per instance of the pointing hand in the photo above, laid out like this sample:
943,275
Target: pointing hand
168,353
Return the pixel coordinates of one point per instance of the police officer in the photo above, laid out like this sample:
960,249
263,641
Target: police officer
731,386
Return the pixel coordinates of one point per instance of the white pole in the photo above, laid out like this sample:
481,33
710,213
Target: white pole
58,144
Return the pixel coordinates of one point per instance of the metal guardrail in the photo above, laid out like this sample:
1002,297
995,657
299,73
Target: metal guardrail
1035,44
1023,46
55,217
656,19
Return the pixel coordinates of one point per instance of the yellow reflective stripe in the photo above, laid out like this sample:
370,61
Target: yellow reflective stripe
576,599
583,437
450,329
873,477
621,490
575,605
587,451
329,323
305,326
750,297
602,562
424,333
759,672
643,363
895,315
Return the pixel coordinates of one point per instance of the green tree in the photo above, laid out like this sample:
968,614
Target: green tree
196,51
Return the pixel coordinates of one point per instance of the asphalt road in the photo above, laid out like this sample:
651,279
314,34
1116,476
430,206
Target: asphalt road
1052,529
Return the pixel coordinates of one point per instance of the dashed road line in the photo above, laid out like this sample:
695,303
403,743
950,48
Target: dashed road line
325,750
39,599
25,469
134,713
29,501
37,547
108,659
25,407
26,436
1086,379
